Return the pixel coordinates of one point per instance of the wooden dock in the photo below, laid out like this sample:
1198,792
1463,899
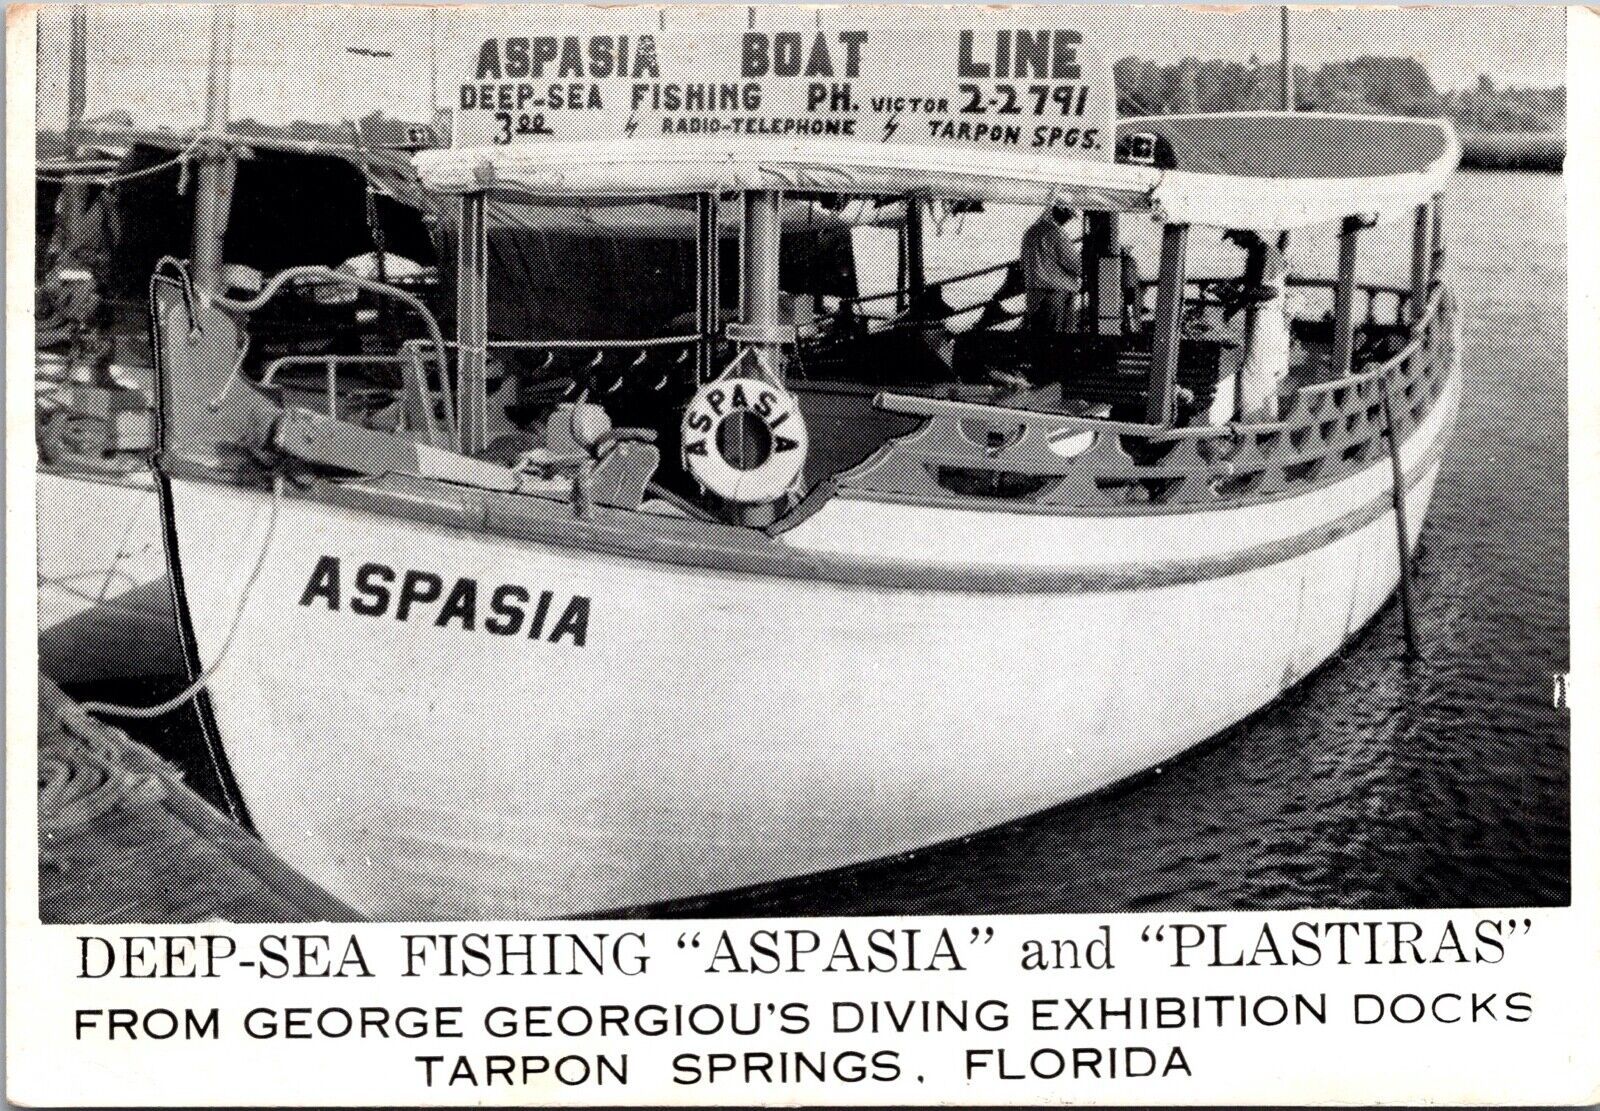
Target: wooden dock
122,838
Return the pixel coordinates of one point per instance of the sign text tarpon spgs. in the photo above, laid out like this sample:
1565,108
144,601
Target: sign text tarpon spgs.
1022,82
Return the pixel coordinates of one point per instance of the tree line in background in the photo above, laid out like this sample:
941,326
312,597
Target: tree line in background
1390,86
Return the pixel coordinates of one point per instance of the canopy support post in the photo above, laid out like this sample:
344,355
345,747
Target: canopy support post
1344,296
472,325
1160,408
762,327
1255,273
1421,257
708,293
916,254
762,332
1103,258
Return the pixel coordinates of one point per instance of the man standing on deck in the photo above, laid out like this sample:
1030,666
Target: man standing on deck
1052,270
1252,392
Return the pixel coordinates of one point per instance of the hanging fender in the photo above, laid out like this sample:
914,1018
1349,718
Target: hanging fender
744,440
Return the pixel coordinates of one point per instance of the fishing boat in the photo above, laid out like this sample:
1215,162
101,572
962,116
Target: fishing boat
513,624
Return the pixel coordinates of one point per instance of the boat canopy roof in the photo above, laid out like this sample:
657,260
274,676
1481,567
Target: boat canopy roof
1264,171
665,167
1279,170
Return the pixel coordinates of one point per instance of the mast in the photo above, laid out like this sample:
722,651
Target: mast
1285,78
73,194
1285,88
215,178
433,65
77,68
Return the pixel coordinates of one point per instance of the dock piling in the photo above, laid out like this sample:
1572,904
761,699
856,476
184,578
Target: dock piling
1401,532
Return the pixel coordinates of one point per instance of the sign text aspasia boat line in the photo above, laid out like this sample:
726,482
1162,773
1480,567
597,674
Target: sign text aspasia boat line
786,83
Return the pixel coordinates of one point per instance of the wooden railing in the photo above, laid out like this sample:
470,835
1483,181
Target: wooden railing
927,306
1059,460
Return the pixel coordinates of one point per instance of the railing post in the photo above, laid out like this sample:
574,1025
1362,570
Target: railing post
1344,321
1421,258
1169,316
472,325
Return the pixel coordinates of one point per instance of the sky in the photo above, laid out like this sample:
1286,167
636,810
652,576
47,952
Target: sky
292,62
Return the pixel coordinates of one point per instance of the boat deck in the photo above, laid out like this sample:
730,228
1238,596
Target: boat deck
123,839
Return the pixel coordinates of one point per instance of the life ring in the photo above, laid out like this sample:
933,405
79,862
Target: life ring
744,440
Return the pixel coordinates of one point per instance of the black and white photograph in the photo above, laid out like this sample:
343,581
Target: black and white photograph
639,462
865,554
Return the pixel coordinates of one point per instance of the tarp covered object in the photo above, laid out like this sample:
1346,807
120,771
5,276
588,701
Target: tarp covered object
288,210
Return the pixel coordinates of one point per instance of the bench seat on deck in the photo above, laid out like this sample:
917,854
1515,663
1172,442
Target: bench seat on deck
1099,369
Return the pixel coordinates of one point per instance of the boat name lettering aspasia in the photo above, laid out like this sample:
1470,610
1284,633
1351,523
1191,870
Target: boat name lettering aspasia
505,607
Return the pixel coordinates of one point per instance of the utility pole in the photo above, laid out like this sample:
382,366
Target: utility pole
215,178
1286,78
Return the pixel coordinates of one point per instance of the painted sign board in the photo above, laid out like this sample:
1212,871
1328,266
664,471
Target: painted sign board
1029,82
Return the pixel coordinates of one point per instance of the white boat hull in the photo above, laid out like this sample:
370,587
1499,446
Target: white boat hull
718,729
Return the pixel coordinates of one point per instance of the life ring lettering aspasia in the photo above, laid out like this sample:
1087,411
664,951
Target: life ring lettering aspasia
744,440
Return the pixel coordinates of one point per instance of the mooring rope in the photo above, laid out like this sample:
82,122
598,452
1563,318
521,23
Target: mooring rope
112,709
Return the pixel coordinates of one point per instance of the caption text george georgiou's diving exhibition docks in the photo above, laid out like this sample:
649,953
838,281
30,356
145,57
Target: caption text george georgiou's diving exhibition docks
643,549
